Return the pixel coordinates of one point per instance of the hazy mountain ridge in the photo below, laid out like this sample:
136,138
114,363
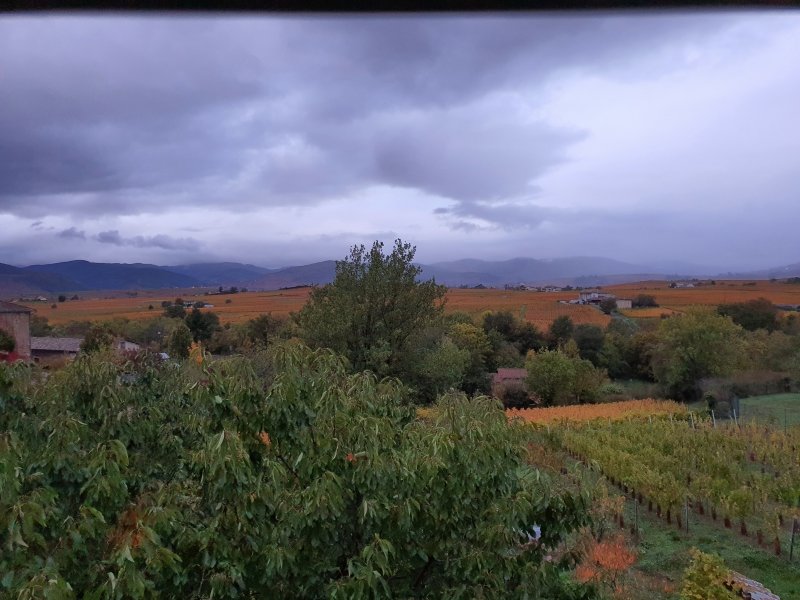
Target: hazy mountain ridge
81,275
115,276
223,273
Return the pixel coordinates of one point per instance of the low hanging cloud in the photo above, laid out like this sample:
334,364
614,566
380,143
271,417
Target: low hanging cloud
72,232
157,241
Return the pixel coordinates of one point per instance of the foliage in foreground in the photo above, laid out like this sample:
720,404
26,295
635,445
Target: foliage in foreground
705,578
279,475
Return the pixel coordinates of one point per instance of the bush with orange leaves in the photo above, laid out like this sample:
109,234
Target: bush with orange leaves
606,563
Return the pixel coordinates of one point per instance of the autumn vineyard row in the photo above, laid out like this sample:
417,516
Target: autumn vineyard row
672,460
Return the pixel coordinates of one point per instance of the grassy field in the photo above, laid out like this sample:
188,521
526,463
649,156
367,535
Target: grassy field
778,409
664,552
540,308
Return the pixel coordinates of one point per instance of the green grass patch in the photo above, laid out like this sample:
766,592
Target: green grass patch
776,409
664,551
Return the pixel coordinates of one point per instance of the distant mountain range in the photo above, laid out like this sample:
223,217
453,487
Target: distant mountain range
82,276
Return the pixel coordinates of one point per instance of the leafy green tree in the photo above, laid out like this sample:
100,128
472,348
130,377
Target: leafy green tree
475,342
202,324
527,337
644,300
608,305
175,311
752,314
522,334
99,337
433,364
502,321
277,476
550,376
179,341
372,308
261,329
560,331
558,378
590,340
695,345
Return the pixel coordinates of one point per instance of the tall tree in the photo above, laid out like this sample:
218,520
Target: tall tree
561,330
202,324
695,345
372,307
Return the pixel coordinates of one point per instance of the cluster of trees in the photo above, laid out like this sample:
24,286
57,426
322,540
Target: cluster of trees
380,317
276,474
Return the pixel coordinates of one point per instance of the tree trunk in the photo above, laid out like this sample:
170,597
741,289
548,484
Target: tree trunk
700,508
649,506
621,521
669,516
678,520
714,513
777,546
658,510
743,528
727,522
760,537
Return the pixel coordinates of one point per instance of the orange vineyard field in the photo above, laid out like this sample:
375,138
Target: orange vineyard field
707,294
540,308
613,411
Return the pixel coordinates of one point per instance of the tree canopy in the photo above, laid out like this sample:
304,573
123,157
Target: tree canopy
695,345
371,309
280,475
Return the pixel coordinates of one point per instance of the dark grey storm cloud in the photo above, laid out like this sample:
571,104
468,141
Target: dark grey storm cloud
156,241
520,134
72,232
124,109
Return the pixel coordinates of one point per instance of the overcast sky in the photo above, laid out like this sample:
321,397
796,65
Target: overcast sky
650,137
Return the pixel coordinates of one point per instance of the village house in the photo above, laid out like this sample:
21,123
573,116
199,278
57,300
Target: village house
624,303
593,297
53,349
508,377
15,320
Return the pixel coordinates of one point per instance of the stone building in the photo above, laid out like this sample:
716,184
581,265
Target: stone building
16,321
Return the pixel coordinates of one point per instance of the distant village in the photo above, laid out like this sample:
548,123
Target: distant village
15,319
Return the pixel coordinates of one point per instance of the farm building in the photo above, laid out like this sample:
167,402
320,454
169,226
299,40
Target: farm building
46,349
624,303
508,377
594,297
15,320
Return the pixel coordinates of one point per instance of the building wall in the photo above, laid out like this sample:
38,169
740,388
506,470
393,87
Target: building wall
624,304
19,326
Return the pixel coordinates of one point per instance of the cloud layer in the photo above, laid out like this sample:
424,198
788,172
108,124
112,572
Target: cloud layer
277,140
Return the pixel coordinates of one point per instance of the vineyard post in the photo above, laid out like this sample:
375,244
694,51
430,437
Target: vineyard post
713,418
